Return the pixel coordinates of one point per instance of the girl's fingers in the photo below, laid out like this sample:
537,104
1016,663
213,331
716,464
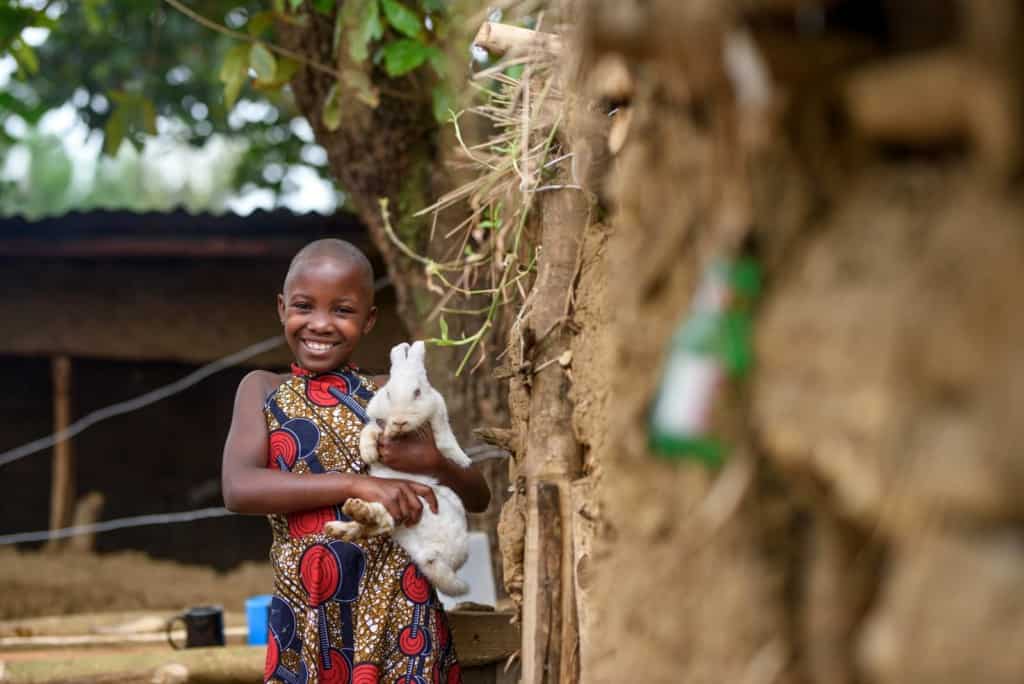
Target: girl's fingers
428,494
415,506
394,507
409,516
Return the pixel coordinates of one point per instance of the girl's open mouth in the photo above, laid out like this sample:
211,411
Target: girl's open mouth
318,347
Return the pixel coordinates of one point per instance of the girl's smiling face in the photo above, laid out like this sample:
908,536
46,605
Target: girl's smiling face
326,308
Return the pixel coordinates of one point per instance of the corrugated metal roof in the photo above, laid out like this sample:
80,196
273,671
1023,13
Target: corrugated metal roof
125,234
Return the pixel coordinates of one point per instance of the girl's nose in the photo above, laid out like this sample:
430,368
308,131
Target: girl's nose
318,322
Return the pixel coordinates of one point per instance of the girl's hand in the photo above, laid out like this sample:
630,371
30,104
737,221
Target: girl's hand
414,452
401,498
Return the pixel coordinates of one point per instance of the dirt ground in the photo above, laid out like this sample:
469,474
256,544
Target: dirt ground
38,583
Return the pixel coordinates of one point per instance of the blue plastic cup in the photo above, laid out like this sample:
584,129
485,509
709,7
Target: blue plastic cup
257,611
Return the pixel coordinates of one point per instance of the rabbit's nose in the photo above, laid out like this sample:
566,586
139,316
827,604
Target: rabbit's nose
399,423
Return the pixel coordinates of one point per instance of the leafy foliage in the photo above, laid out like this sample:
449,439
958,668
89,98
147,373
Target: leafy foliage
199,179
128,65
400,35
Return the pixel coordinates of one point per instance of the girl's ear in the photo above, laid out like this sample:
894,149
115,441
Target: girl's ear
280,307
399,352
417,351
371,320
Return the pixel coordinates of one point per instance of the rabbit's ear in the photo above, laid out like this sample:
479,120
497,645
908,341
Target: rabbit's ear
417,351
399,352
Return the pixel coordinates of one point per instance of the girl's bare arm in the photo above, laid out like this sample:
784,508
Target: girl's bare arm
249,486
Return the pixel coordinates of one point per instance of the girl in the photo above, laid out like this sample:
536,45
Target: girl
341,612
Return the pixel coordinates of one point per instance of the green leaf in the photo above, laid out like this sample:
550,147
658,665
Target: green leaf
444,327
31,115
402,56
234,72
332,108
439,63
324,6
25,56
93,21
13,20
402,19
286,68
148,115
295,4
259,23
263,62
442,101
433,6
365,19
114,132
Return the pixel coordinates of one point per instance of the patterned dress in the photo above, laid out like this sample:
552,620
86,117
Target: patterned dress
342,612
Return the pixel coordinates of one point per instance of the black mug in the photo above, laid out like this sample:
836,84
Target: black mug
204,626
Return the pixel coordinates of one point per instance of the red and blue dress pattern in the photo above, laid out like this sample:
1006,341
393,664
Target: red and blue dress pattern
342,612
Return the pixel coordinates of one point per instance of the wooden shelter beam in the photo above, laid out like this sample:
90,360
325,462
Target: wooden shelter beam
62,488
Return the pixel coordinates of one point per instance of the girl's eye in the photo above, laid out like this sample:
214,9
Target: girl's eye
302,306
343,312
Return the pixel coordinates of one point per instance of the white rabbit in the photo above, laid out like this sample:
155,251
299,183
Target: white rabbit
439,542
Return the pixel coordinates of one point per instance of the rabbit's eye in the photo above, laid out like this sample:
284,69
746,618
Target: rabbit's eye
416,394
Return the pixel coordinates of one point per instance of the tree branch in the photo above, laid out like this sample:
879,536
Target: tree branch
238,35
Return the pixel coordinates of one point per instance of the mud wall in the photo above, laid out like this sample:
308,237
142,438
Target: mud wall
866,525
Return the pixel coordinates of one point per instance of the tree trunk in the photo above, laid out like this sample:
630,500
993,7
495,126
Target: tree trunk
392,152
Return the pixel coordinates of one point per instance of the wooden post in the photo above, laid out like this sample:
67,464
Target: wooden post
503,39
552,459
62,489
543,590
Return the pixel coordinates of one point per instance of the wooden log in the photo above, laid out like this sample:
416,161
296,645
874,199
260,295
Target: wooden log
502,39
62,488
552,459
503,438
542,605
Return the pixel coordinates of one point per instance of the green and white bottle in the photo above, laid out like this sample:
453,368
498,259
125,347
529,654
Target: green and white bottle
711,346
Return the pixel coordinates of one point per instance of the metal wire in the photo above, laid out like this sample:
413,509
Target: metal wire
116,524
151,397
140,401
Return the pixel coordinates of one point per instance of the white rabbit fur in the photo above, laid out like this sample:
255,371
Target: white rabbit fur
439,542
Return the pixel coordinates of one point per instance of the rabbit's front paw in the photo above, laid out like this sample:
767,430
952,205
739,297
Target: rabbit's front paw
344,530
368,439
369,513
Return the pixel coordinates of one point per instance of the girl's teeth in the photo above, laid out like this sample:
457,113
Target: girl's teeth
317,346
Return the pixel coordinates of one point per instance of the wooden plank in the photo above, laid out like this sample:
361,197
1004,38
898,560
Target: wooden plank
542,606
62,488
223,665
483,637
